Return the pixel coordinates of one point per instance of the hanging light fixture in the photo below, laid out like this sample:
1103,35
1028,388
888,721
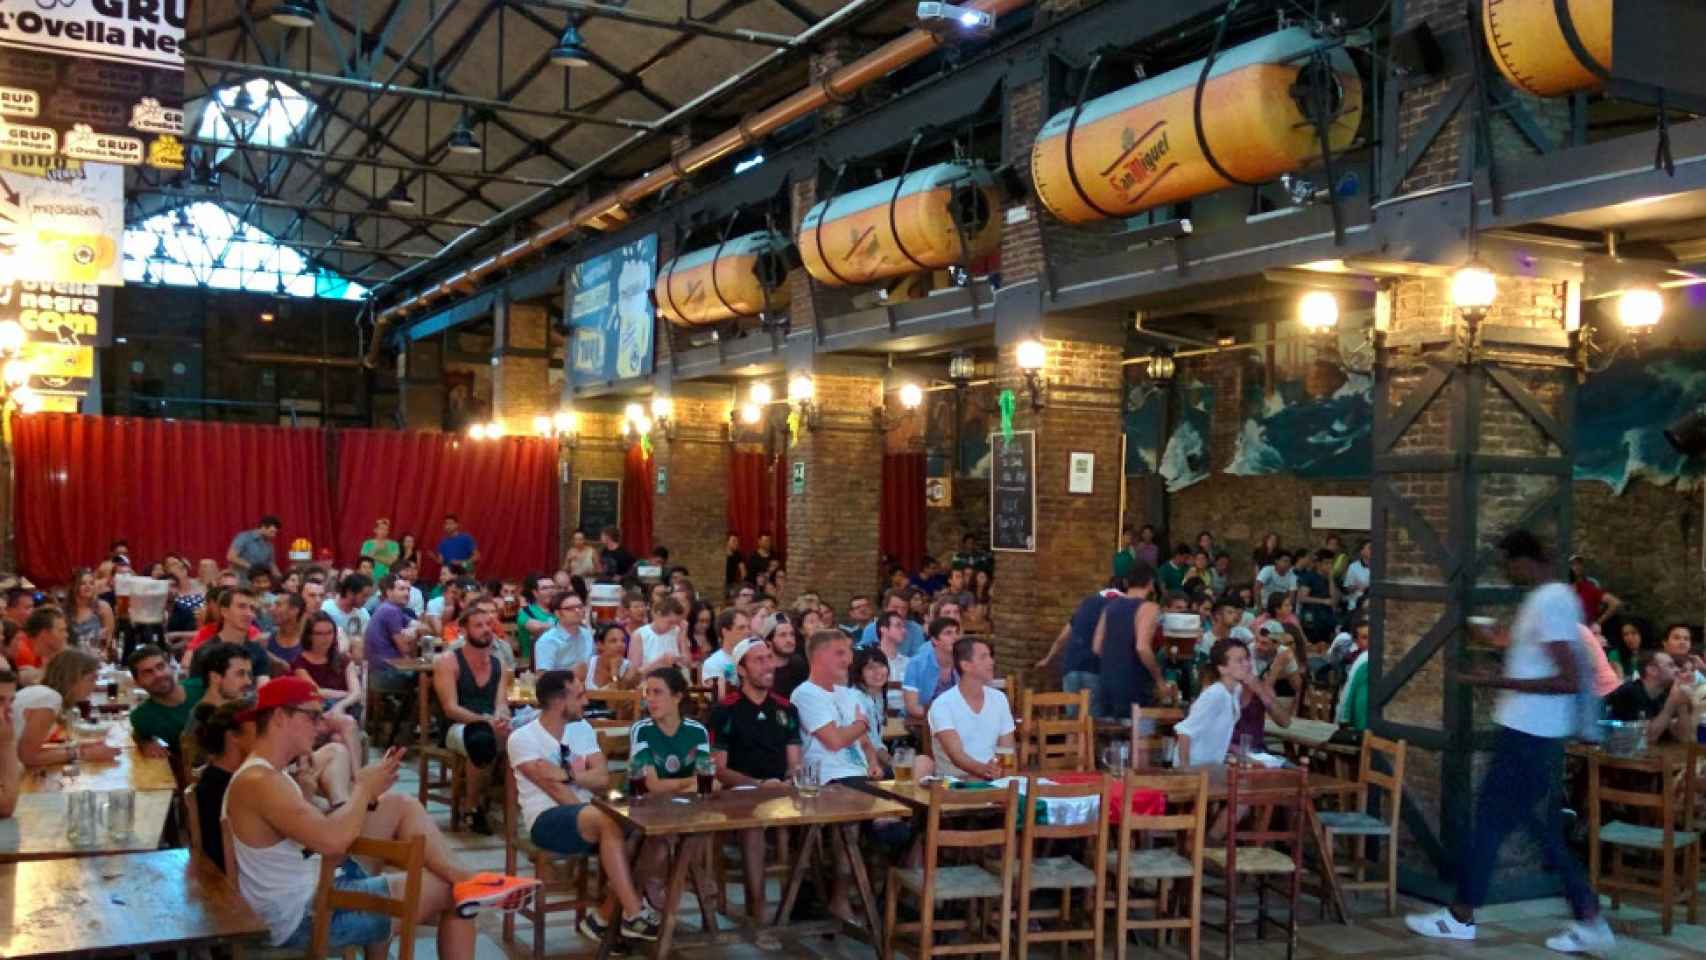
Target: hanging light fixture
1162,366
349,237
462,140
961,368
242,110
399,198
570,51
295,14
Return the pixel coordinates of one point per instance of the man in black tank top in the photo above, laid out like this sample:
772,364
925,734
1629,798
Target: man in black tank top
1125,640
472,688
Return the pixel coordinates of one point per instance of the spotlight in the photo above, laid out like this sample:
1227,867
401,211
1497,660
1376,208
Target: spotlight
955,21
295,14
399,198
462,141
570,51
1318,311
1640,308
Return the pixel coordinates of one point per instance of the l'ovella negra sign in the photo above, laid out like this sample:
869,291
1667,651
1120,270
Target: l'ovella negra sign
97,80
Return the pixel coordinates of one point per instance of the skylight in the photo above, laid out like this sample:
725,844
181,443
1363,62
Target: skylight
281,110
202,243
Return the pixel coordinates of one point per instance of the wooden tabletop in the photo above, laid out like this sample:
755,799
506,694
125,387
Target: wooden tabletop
131,769
773,806
410,665
119,905
36,830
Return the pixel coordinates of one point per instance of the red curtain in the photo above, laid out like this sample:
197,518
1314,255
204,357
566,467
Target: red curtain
902,525
758,499
165,486
504,492
637,502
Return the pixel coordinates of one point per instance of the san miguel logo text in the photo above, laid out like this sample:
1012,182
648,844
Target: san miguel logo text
1143,162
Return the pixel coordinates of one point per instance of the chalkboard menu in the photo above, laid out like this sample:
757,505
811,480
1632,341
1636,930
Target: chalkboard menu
1013,492
600,506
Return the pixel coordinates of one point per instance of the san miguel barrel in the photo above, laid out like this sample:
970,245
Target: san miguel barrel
741,277
927,220
1530,40
1154,143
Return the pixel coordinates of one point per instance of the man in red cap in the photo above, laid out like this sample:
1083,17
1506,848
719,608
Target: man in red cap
278,838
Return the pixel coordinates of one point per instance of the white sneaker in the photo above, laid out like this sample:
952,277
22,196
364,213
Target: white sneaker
1440,925
1593,938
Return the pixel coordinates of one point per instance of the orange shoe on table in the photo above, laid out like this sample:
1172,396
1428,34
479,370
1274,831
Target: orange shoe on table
493,890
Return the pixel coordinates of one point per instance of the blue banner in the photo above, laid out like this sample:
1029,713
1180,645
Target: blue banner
611,321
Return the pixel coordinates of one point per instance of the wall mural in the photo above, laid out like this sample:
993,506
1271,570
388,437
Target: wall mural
1185,460
962,419
1145,421
1621,414
1317,425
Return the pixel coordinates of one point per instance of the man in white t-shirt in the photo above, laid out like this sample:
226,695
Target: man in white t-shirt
1277,577
348,609
557,763
1358,575
970,721
1226,624
719,668
1537,712
834,730
658,644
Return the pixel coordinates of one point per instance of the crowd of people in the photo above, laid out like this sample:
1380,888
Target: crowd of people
255,678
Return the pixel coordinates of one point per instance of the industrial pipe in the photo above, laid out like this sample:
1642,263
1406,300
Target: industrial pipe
612,209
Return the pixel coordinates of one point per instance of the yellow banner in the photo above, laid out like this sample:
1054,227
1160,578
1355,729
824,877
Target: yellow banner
56,365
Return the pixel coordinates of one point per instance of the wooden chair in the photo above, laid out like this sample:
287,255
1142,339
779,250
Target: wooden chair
407,856
575,877
934,882
624,704
1248,852
384,714
1176,870
1362,826
193,819
1057,731
1152,735
450,782
1063,873
1645,788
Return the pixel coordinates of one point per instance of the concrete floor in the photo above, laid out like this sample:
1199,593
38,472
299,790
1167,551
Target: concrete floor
1514,931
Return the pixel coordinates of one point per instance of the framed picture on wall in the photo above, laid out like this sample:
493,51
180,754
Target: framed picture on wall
1081,473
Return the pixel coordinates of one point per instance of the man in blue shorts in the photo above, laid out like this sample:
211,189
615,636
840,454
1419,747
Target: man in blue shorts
556,761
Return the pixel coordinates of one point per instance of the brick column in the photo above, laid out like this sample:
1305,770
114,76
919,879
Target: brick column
832,525
1463,453
1075,533
521,377
690,516
599,453
420,380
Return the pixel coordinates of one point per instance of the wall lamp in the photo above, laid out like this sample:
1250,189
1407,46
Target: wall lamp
1318,311
1473,290
564,426
486,431
802,393
911,397
1031,356
1639,309
663,416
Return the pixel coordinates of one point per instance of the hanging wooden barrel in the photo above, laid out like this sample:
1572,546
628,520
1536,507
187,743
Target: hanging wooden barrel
1160,141
927,220
740,277
1530,40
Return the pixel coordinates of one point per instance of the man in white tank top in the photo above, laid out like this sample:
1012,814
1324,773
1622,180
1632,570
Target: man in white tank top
278,839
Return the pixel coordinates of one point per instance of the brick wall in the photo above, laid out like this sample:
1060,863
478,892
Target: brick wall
691,518
969,513
1039,590
832,525
1643,546
521,382
599,454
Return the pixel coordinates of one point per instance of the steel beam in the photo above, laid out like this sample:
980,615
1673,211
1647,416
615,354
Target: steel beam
606,11
302,153
270,202
376,88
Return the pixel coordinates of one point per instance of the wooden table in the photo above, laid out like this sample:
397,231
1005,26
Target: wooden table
120,906
762,807
36,830
410,665
132,769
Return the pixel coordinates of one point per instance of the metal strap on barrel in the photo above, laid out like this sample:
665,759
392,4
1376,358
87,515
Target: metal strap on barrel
716,289
669,284
894,199
770,236
1196,105
1071,128
1578,49
822,220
